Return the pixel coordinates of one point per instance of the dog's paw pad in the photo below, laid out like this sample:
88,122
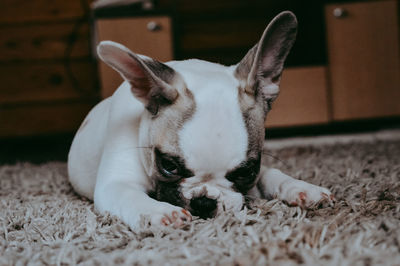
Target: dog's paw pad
187,215
302,198
332,198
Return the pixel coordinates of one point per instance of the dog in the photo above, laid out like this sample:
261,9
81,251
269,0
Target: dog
185,138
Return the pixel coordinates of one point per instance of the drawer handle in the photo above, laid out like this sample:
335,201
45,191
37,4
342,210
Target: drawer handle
153,26
339,12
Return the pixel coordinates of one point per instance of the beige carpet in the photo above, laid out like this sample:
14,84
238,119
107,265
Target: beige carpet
42,221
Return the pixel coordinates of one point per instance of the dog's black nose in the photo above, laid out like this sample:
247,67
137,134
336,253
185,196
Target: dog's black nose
203,207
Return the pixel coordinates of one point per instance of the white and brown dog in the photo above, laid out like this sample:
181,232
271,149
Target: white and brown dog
185,138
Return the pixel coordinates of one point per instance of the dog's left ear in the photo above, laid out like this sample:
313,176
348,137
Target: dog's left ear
151,81
260,70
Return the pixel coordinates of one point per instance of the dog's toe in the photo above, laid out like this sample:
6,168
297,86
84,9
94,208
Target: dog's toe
176,218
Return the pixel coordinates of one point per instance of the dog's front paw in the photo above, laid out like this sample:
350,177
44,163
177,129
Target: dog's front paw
172,216
305,195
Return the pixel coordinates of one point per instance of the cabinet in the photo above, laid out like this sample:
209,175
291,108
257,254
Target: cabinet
359,80
303,98
151,36
48,80
363,52
347,70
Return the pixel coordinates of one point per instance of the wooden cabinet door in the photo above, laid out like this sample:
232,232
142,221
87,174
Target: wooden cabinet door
303,98
151,36
363,50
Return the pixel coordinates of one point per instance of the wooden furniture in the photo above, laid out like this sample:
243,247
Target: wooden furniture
364,60
347,68
360,79
151,36
303,98
48,80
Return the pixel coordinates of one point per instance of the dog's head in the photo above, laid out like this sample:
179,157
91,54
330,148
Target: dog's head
204,123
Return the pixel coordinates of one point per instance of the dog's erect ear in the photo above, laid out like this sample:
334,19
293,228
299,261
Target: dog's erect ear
150,79
260,70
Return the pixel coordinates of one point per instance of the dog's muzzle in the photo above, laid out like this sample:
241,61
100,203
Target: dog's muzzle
203,207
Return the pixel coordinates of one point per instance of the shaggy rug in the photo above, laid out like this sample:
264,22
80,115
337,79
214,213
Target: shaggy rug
42,221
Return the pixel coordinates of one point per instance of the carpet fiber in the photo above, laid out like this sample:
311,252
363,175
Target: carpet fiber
42,221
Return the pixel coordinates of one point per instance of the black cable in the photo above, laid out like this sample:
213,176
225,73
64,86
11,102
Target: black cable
71,40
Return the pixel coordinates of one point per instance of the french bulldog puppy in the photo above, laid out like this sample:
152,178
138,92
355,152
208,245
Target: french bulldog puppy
185,138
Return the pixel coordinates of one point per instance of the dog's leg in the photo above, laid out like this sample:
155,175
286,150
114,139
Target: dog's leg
121,189
275,184
129,202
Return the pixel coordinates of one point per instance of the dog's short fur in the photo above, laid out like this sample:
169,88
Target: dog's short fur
185,138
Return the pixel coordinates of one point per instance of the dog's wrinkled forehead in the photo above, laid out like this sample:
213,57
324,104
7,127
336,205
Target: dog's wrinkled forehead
215,138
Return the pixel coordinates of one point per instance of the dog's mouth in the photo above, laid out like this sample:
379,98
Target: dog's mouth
201,206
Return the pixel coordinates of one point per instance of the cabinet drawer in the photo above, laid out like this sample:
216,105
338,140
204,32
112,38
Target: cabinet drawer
138,36
21,11
43,41
363,50
303,98
32,82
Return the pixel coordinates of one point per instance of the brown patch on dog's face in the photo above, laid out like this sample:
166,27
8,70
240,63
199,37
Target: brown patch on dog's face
167,124
254,114
207,177
246,174
161,131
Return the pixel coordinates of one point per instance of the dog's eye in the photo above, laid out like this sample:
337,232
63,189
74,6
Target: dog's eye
171,168
168,166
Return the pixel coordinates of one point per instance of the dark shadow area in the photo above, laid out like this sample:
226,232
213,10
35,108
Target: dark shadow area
41,149
38,149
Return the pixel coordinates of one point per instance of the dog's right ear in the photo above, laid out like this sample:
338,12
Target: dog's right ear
150,79
260,70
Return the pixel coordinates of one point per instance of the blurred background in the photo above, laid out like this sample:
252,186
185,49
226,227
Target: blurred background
343,73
